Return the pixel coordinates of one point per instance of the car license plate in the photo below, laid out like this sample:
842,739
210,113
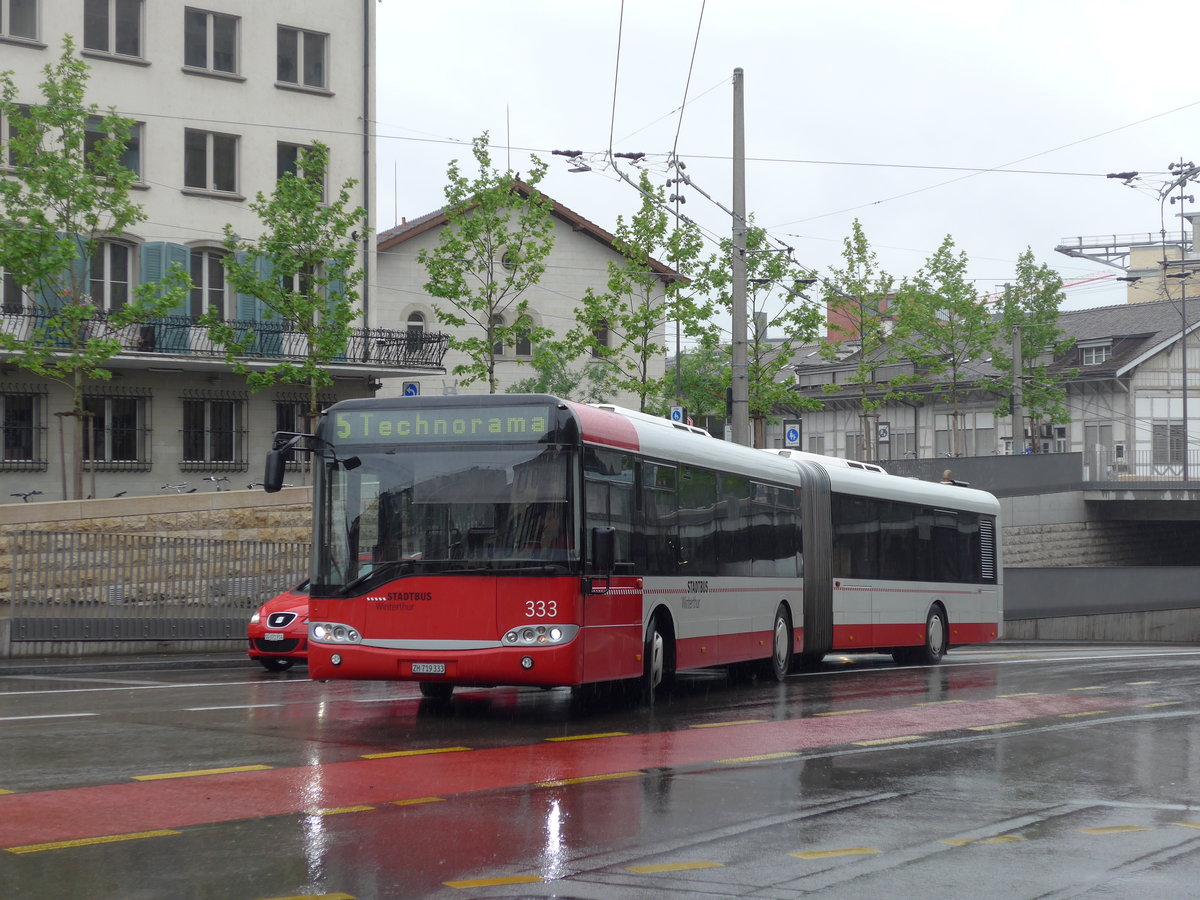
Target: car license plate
429,668
274,636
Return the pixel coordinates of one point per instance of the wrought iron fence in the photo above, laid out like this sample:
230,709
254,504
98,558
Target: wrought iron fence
77,586
1119,463
181,336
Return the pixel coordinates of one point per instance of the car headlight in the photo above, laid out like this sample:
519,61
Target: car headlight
254,618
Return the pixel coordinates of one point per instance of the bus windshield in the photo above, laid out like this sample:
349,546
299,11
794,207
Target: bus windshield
474,508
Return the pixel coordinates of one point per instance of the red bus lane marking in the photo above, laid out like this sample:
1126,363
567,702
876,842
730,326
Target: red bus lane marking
75,813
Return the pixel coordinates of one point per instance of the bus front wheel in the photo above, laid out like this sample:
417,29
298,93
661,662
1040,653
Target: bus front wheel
658,656
436,690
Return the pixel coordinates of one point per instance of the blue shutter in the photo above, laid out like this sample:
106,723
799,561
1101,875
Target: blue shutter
171,334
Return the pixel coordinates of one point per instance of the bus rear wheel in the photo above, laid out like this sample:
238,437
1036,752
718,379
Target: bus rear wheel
933,648
780,663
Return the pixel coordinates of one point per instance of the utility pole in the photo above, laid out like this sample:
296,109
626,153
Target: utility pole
741,380
1184,173
1018,414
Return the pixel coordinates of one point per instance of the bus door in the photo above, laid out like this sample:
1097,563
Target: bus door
855,570
612,616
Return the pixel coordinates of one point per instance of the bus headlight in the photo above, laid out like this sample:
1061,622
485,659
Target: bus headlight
539,635
333,633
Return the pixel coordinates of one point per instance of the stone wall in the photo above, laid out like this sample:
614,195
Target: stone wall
1100,544
216,515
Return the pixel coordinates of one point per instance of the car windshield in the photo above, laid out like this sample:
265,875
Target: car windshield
476,508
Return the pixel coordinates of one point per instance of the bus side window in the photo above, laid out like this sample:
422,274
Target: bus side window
657,549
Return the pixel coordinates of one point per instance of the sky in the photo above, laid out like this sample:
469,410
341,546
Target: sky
995,123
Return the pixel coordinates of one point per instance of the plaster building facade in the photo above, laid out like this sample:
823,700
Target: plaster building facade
578,261
222,97
1125,393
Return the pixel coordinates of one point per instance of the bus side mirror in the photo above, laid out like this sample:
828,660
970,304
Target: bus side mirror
604,550
273,475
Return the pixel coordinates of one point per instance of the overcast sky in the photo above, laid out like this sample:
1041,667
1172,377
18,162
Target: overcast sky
882,111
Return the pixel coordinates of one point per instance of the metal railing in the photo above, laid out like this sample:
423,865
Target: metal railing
1121,464
76,586
180,336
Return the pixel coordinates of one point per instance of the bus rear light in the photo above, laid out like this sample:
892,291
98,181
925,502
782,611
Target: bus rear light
539,635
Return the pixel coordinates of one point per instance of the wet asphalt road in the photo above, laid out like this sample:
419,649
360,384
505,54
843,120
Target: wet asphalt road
1023,771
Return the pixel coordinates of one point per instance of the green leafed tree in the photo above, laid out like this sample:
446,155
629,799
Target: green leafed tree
857,295
491,251
780,320
1031,306
555,372
300,275
64,198
946,330
623,327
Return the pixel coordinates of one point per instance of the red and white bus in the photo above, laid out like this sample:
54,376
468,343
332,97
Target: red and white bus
527,540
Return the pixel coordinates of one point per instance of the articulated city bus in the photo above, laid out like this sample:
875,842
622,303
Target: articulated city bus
527,540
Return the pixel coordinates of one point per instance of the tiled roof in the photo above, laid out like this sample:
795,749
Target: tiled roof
410,228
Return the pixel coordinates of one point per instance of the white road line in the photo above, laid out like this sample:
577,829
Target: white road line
47,716
245,706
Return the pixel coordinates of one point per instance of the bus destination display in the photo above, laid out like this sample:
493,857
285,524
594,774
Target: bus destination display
451,425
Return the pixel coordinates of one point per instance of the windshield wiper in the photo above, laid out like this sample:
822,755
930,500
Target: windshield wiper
386,567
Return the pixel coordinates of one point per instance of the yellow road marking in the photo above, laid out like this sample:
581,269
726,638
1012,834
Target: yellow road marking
1080,715
414,752
829,854
417,800
1114,829
584,779
1187,824
1094,687
723,724
1025,694
673,867
1140,683
3,791
938,702
742,759
845,712
83,842
1161,703
338,810
995,727
317,897
490,882
1001,839
588,737
196,772
896,740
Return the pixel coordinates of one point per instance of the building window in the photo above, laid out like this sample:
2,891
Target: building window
8,131
110,275
600,336
19,434
18,19
210,41
131,155
212,432
113,26
12,298
1095,354
524,344
1167,443
210,161
287,162
416,328
300,57
816,443
209,289
118,429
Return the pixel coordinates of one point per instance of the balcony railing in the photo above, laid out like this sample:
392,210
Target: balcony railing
181,337
1124,465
